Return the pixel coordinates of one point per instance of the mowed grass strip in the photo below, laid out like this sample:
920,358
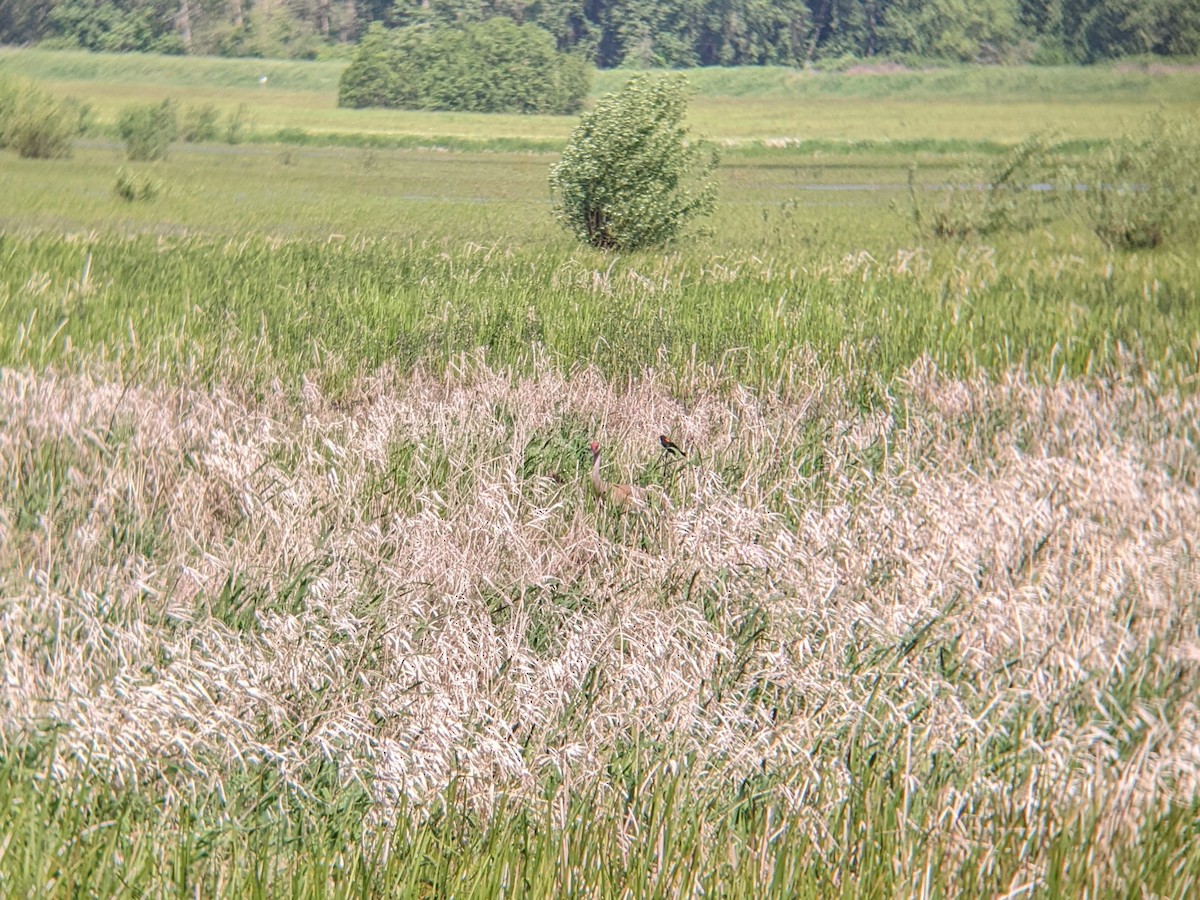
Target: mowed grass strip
1152,83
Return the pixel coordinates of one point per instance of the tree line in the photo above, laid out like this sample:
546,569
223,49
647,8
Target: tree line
637,33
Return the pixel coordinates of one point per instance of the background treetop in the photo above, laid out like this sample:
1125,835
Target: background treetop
637,33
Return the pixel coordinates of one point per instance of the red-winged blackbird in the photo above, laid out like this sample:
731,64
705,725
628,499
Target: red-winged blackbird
669,446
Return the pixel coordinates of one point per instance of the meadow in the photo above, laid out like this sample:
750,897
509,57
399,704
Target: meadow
734,106
304,592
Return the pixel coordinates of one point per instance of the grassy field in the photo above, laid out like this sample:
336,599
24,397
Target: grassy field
968,105
303,591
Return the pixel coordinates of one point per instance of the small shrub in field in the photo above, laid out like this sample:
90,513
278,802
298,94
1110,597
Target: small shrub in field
629,177
84,115
131,186
36,124
1143,188
148,130
200,123
1016,193
10,96
237,126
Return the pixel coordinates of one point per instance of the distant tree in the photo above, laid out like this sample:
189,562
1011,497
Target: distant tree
753,32
1041,17
843,28
569,22
116,25
631,33
1173,26
492,66
1041,25
641,33
23,21
1103,29
681,33
962,30
629,176
383,71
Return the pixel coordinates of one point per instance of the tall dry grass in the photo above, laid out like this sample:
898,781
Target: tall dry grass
987,589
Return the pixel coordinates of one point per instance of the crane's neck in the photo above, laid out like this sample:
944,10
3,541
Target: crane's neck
599,485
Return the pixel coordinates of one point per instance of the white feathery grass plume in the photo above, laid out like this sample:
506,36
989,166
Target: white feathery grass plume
197,581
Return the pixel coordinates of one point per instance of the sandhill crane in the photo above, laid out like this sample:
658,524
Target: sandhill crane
624,497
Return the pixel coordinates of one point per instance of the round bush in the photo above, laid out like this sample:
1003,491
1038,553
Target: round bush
492,66
629,176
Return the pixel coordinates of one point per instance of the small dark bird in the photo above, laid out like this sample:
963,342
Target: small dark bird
669,446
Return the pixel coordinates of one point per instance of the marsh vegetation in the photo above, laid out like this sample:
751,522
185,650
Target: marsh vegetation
305,590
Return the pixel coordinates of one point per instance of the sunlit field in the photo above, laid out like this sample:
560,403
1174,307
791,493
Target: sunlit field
304,589
968,105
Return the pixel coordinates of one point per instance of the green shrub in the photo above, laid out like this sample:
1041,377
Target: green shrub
148,130
83,114
238,125
629,177
36,124
1016,193
492,66
131,186
1143,188
11,93
113,27
199,124
373,77
948,29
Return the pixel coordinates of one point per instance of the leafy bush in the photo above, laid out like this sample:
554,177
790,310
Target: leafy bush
131,186
1143,187
10,97
492,66
114,27
949,29
36,124
629,177
199,124
1016,193
237,126
148,130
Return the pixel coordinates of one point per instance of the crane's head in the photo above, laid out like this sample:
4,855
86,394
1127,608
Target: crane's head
595,448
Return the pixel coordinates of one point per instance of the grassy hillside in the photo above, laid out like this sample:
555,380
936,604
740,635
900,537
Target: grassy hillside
1121,81
203,73
735,105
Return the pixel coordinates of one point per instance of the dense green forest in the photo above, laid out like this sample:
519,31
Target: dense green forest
637,33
